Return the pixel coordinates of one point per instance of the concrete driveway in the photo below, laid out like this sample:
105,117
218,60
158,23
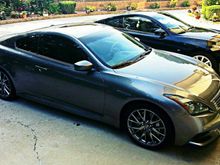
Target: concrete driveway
32,134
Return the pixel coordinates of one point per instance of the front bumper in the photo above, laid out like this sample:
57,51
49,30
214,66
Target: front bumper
205,138
198,130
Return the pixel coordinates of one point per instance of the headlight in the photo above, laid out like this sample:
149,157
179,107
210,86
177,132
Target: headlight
214,43
193,107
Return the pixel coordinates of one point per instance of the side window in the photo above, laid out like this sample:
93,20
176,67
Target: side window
115,22
131,23
141,24
60,48
28,43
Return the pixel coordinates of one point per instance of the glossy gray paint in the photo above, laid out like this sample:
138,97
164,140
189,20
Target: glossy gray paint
102,93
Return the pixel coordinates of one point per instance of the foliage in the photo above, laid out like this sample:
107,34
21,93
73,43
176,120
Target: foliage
15,14
154,5
215,17
173,3
211,10
67,7
211,2
110,7
54,8
23,13
2,6
185,3
90,8
132,6
7,11
2,15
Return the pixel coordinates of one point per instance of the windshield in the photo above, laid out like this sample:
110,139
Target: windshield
115,49
172,24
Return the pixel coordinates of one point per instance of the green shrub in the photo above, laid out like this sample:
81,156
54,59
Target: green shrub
111,7
2,6
154,5
67,7
90,8
211,2
54,8
132,6
210,10
7,11
2,15
206,3
203,9
185,3
15,14
172,3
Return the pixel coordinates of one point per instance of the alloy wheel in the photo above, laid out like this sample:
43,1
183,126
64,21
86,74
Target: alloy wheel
146,127
204,59
5,86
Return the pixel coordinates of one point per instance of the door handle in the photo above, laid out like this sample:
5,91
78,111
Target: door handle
40,68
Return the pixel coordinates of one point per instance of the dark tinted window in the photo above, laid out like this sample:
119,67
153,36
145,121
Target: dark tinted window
140,24
115,22
61,49
28,43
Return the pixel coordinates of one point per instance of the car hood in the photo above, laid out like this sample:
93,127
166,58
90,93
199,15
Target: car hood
175,74
199,34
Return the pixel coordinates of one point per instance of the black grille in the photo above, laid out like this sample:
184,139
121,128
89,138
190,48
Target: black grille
216,100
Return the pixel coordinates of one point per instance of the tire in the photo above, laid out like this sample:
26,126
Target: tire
7,90
149,127
208,60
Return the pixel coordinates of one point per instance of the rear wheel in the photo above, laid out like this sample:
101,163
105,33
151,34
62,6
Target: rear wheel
148,127
7,90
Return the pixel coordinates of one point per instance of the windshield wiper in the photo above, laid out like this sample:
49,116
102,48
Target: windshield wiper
132,61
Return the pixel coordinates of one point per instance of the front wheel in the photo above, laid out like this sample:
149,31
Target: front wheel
208,60
7,90
148,127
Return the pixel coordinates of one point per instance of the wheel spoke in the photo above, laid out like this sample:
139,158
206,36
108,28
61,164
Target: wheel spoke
5,85
158,132
140,116
135,118
143,134
155,137
151,117
133,121
204,59
154,122
139,128
146,127
6,90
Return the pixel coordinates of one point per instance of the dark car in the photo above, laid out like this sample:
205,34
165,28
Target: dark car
162,31
157,97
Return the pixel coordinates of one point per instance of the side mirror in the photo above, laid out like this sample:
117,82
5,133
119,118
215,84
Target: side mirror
83,65
160,32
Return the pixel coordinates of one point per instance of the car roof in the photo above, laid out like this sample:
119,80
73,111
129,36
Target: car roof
77,30
150,14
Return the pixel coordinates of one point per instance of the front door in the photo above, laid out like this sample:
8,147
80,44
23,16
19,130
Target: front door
53,76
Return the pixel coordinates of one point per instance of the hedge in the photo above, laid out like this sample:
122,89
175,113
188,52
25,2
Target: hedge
211,2
67,7
210,10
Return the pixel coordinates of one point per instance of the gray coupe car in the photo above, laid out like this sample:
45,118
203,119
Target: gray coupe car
97,72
